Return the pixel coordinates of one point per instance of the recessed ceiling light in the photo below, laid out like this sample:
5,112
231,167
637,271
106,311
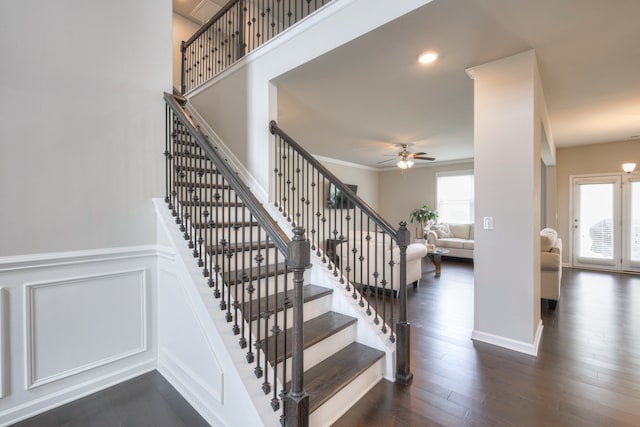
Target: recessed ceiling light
428,57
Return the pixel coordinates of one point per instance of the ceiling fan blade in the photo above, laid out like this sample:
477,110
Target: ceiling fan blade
423,158
421,153
385,161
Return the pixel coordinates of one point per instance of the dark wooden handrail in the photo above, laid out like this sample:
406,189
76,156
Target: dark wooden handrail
271,227
353,197
297,194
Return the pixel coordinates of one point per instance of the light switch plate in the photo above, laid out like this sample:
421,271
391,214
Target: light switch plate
488,223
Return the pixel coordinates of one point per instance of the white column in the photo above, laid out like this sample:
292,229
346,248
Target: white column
508,104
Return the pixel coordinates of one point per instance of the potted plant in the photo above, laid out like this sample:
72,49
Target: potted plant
424,216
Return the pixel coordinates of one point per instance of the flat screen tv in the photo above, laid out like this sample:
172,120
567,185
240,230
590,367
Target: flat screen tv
338,200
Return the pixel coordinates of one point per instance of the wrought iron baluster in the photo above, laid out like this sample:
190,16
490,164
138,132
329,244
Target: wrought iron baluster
343,259
296,192
276,331
289,182
266,385
384,283
226,227
238,279
251,289
246,247
225,302
286,302
218,245
376,275
308,188
260,319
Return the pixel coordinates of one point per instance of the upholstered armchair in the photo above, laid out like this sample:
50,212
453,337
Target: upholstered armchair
550,266
376,255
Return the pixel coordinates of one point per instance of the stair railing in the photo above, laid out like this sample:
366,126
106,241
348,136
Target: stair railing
237,29
360,248
243,254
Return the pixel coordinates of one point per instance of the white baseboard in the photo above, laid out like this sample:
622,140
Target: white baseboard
508,343
190,387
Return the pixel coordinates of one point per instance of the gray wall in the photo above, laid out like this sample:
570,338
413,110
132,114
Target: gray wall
182,30
399,193
82,122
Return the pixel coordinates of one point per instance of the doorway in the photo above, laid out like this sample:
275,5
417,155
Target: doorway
606,222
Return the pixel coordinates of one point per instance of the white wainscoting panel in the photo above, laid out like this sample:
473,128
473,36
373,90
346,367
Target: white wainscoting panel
185,348
3,343
79,323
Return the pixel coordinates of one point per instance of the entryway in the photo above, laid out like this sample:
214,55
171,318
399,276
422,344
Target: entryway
606,222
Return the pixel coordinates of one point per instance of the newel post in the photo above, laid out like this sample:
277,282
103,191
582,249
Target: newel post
296,401
183,61
403,328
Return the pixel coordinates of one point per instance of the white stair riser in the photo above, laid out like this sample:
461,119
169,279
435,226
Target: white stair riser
335,407
322,350
267,286
311,309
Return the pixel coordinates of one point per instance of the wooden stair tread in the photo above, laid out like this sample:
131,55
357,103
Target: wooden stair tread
190,155
333,374
197,169
200,185
315,330
212,203
309,293
231,224
241,247
247,274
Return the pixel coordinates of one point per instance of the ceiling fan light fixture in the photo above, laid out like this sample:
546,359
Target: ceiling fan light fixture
427,57
404,164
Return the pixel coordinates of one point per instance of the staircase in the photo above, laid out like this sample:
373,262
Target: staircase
315,346
254,282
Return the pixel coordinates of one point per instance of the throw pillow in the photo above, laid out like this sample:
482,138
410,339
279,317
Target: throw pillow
460,231
548,237
442,230
471,235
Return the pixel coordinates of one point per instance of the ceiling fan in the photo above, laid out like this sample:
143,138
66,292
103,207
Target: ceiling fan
406,158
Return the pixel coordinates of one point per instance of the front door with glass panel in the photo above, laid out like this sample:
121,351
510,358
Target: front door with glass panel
597,222
631,225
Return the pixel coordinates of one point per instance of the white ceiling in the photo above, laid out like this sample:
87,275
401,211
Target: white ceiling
355,102
198,11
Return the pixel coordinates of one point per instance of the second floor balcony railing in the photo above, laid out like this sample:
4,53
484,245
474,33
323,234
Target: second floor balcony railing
237,29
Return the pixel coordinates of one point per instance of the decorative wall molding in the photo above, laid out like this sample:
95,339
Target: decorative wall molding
101,285
4,336
58,259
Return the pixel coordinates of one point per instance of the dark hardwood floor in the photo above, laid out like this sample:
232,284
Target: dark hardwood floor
587,372
145,401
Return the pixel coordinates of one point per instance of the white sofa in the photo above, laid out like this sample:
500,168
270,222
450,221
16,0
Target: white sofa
550,266
457,238
374,249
